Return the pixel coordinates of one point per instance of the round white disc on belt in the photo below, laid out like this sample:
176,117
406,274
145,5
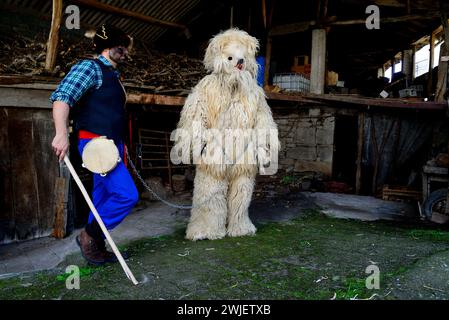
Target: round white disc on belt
100,155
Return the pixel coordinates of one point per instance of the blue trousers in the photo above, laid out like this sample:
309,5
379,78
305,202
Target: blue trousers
113,195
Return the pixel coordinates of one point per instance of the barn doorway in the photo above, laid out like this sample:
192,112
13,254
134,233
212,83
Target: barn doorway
345,149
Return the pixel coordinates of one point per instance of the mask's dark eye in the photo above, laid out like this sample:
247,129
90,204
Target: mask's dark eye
229,58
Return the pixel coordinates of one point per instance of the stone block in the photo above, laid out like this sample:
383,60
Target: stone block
316,166
314,112
287,161
324,136
302,153
306,135
325,153
325,132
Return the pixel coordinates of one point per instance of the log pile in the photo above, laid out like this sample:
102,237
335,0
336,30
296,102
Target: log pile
147,68
163,73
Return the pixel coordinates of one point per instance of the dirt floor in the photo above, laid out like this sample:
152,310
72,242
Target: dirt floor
310,256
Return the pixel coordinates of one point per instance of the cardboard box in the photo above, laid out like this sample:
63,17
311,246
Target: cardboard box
305,69
300,60
332,78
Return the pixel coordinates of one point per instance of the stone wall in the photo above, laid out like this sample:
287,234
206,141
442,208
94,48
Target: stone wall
307,140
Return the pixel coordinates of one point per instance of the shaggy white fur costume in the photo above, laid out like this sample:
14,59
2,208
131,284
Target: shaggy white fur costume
227,98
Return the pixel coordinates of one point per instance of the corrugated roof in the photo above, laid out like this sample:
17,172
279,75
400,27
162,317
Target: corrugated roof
167,10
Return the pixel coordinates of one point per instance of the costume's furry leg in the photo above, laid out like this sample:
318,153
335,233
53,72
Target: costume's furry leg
209,210
239,198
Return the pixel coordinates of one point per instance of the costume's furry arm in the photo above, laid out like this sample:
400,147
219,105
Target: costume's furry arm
190,125
264,117
267,149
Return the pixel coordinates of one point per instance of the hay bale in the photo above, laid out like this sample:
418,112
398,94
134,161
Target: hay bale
179,182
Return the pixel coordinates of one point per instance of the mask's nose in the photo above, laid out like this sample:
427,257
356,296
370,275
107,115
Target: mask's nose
240,61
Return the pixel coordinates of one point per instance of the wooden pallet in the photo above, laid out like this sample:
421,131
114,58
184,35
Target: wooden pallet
401,193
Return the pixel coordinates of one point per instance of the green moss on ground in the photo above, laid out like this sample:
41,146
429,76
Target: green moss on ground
312,257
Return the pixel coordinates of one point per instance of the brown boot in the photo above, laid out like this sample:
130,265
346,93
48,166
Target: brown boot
89,249
109,256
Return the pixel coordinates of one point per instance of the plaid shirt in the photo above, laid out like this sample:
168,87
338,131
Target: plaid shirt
83,76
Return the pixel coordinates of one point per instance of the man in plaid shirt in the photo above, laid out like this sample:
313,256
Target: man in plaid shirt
94,88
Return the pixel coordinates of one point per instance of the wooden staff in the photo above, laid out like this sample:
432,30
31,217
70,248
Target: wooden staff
100,222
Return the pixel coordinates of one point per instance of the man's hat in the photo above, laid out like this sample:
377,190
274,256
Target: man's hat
108,36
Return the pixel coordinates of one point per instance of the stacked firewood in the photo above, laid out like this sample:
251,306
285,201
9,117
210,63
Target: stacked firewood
147,68
162,72
21,55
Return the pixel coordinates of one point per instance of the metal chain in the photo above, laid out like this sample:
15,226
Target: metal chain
177,206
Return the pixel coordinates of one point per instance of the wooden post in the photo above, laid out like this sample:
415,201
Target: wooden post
432,50
318,72
413,63
321,12
53,38
267,61
249,21
231,18
59,226
407,66
443,66
360,139
443,70
167,148
264,13
431,61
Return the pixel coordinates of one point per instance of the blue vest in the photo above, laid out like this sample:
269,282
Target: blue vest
102,111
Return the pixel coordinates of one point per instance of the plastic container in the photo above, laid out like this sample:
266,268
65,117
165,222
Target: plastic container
292,82
261,70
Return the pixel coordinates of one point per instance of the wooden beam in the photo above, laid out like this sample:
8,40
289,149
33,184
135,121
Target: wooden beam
300,99
445,25
25,98
267,61
318,68
270,14
59,226
360,139
389,3
249,21
443,66
431,61
351,101
264,13
290,28
325,5
53,38
428,16
148,98
305,25
407,65
231,17
377,102
20,79
35,95
129,14
413,62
